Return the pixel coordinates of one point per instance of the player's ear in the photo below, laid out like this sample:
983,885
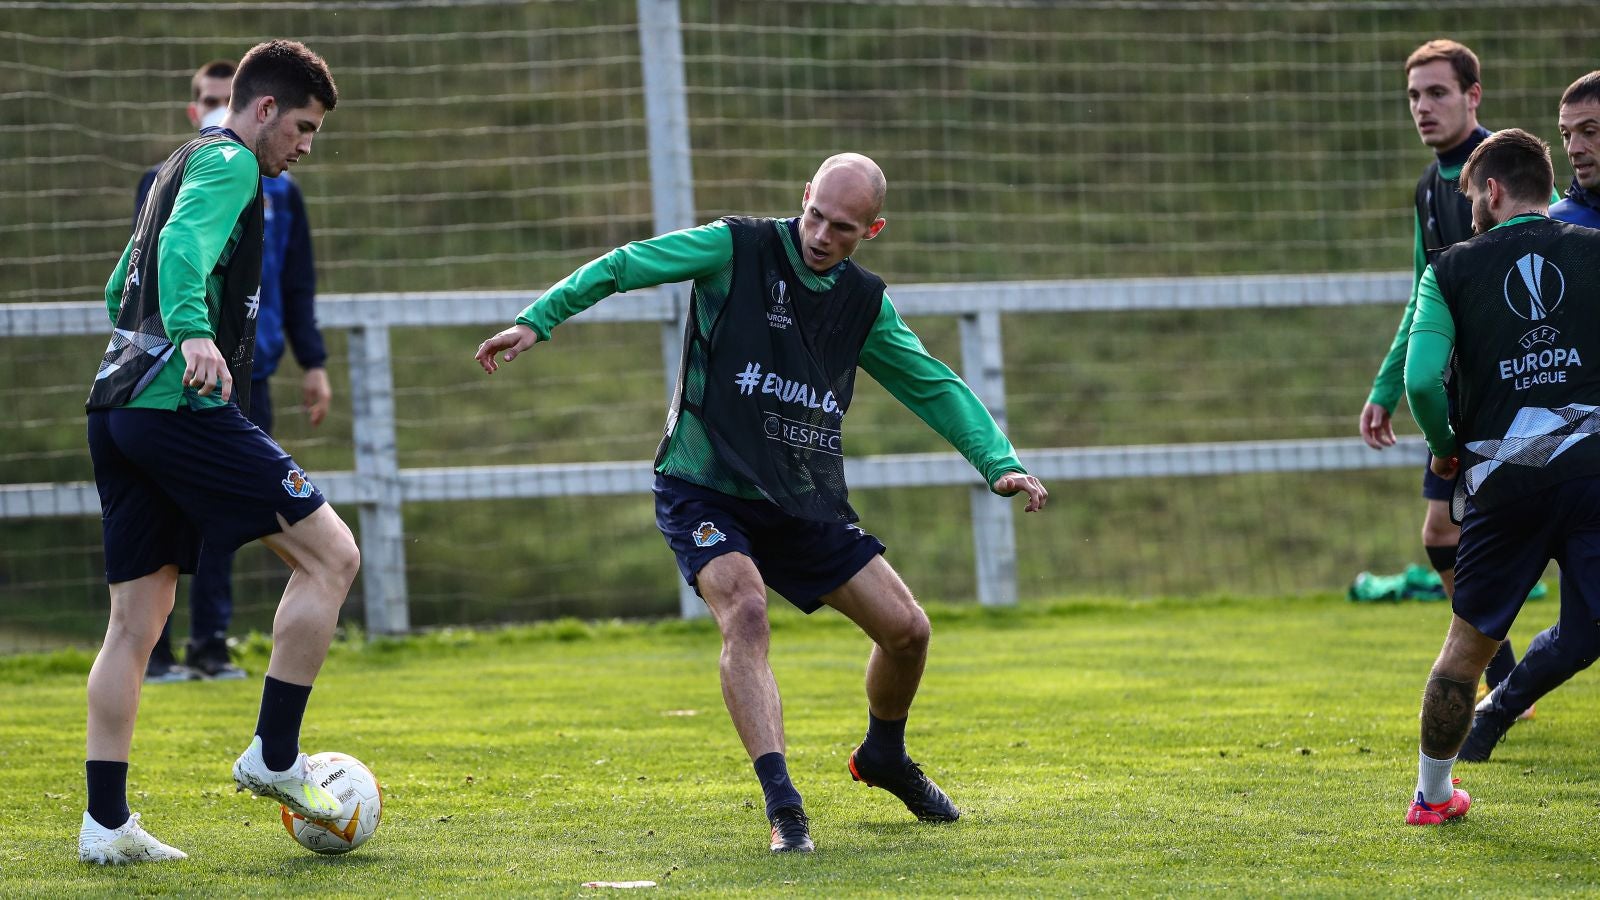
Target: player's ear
266,108
875,227
805,197
1474,96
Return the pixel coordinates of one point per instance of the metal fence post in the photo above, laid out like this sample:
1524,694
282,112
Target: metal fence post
383,548
666,112
994,537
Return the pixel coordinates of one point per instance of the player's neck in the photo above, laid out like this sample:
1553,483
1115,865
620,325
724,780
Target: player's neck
1460,150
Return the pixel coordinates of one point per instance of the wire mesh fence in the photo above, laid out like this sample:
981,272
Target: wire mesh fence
497,145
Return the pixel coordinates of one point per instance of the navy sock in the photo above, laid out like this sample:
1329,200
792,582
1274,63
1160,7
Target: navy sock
282,707
886,738
108,792
773,771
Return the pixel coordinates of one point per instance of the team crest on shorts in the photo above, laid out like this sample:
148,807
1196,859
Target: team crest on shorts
296,484
707,534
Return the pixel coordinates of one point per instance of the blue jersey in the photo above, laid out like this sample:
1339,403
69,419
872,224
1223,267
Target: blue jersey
288,278
1579,206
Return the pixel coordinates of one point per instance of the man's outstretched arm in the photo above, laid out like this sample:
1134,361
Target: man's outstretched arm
676,256
896,359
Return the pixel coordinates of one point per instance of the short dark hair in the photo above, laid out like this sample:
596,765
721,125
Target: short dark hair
1584,90
1461,59
1517,160
217,68
288,72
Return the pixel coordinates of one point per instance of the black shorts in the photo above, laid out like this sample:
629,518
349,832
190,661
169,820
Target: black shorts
800,559
1434,487
1504,552
170,479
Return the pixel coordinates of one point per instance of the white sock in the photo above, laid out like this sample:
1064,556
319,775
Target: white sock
1433,778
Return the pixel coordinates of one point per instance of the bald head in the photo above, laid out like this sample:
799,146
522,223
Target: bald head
840,209
857,173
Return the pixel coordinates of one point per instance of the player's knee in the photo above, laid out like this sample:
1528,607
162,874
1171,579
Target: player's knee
1464,657
346,561
138,621
911,638
743,620
337,559
138,633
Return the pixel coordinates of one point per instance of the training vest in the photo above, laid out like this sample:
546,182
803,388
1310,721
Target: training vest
1526,303
780,372
140,346
1443,213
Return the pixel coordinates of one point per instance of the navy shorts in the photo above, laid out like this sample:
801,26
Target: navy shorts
1434,487
1504,552
800,559
169,480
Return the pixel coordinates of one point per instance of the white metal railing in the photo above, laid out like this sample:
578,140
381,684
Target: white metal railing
379,487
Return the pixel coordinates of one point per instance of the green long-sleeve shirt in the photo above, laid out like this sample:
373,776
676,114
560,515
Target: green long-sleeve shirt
219,181
1432,337
1388,383
892,354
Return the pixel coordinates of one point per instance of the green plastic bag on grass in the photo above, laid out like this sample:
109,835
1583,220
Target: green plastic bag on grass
1415,583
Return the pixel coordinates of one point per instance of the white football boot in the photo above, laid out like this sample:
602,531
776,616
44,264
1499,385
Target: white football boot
295,788
128,843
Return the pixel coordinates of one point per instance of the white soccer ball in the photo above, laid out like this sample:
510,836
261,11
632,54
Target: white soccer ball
348,779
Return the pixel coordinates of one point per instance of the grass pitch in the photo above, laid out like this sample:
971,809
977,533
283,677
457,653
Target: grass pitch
1223,746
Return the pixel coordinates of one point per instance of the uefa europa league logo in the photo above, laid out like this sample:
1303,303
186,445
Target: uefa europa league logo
1534,287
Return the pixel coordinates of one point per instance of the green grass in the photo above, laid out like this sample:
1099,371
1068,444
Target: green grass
1220,746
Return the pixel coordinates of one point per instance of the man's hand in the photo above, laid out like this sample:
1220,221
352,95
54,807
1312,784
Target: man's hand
205,369
1376,429
316,394
1017,483
513,340
1445,467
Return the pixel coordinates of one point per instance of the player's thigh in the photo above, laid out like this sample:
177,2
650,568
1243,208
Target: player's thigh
1437,529
142,526
733,590
140,606
701,527
319,542
231,480
1502,555
878,601
805,561
730,573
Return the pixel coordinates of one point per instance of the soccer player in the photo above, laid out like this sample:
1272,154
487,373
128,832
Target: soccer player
1519,305
1442,82
288,298
750,490
1579,121
176,462
1565,648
